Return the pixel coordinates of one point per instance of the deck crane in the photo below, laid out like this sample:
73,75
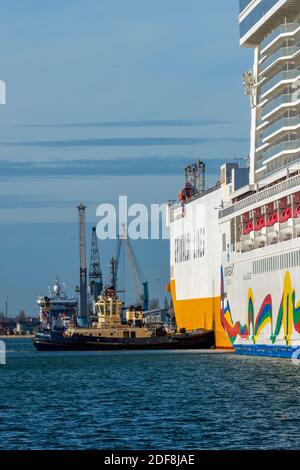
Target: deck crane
140,283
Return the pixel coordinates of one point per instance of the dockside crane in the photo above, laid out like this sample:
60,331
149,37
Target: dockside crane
95,273
140,283
82,317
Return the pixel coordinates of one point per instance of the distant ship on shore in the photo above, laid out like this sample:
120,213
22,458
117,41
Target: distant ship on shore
57,310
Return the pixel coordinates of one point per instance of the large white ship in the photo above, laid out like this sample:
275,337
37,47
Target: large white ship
246,283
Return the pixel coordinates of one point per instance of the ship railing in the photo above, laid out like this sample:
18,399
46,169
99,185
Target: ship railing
282,99
285,75
297,226
260,196
280,53
277,233
282,29
260,235
286,229
177,212
247,241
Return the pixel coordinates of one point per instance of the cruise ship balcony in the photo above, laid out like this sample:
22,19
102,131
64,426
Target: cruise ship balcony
282,125
277,58
284,31
286,147
281,102
281,79
265,16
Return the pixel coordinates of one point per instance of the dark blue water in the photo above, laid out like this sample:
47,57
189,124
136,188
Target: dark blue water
142,400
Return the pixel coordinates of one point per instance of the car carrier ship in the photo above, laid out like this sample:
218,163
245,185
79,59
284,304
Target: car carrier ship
235,248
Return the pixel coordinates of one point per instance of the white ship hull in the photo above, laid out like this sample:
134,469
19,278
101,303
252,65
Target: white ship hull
248,293
195,257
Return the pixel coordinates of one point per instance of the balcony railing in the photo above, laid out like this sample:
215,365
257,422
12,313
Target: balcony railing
282,147
282,29
283,99
285,122
244,4
283,52
259,164
286,75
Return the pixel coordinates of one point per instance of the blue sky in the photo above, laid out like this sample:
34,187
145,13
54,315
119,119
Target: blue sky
108,97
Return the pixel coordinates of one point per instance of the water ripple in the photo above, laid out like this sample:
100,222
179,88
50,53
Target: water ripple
153,400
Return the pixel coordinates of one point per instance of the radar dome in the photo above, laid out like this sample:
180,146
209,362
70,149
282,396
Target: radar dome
56,288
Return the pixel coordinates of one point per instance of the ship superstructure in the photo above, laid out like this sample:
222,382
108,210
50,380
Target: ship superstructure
260,223
252,243
57,309
195,255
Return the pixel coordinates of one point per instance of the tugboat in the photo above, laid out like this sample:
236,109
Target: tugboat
109,330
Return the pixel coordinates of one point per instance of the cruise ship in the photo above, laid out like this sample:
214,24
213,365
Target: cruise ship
235,248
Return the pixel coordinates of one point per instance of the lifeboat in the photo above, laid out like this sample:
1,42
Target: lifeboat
248,228
286,215
261,223
187,192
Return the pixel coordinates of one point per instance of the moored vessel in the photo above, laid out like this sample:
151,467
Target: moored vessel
245,278
57,309
110,331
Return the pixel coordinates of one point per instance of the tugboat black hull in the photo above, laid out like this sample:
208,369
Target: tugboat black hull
55,341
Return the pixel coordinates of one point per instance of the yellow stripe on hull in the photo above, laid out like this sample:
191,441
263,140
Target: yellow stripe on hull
203,313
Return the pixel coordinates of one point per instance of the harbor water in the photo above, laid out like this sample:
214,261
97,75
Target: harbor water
146,400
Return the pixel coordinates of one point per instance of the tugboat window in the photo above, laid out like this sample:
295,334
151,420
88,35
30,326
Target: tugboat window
126,334
133,335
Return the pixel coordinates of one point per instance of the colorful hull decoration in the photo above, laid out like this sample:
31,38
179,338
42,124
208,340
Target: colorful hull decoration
287,320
